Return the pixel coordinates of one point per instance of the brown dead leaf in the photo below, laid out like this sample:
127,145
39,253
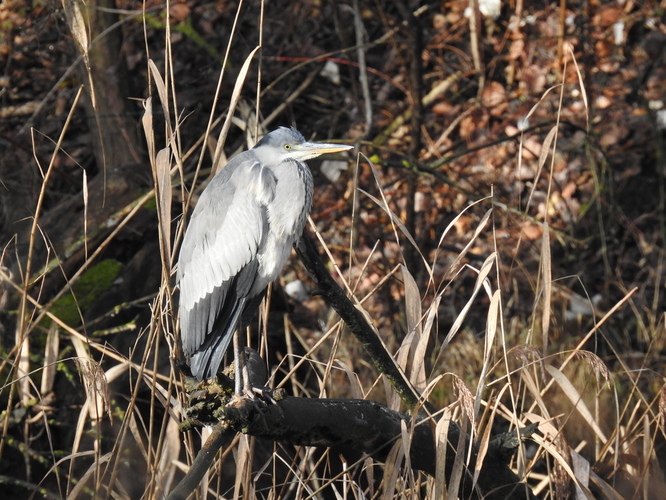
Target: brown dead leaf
613,134
462,224
569,190
179,12
494,98
531,231
444,108
603,49
534,78
471,123
531,148
607,16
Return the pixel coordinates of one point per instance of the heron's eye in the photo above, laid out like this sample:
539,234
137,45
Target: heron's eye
287,147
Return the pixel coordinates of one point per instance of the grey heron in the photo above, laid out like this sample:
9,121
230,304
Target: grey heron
238,239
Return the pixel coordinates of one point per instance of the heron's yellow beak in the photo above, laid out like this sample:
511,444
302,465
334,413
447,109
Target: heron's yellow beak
307,150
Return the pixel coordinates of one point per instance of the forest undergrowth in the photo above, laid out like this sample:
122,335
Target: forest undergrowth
500,226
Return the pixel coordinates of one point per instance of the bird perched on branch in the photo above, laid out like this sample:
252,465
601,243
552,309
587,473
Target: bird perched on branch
238,239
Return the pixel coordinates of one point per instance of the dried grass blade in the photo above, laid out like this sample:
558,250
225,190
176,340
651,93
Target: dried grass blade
392,467
442,434
543,97
458,469
420,353
406,438
243,465
135,430
480,281
164,196
82,483
491,331
547,279
94,381
404,351
554,452
482,451
413,315
581,468
533,389
607,490
577,400
412,301
161,90
76,22
77,25
354,383
545,151
235,96
147,123
51,352
394,218
84,190
161,169
170,451
116,371
662,409
580,84
479,228
23,383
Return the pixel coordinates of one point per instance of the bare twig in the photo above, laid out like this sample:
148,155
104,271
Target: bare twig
357,324
220,437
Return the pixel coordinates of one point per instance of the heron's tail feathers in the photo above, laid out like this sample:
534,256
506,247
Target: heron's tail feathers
206,361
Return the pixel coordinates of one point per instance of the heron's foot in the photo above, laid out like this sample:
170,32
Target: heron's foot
243,390
243,396
266,394
256,392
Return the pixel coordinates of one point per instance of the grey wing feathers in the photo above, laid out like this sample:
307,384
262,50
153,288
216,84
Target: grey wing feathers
218,259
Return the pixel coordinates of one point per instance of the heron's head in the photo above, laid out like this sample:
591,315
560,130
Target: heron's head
287,143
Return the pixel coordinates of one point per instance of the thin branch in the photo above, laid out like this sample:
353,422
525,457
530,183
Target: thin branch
221,437
357,324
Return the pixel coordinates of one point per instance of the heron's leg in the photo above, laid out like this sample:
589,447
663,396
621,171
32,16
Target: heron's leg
240,369
242,381
247,382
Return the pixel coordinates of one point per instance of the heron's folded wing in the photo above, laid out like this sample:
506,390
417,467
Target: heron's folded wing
223,236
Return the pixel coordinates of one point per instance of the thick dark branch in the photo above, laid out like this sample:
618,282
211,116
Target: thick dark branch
348,425
354,426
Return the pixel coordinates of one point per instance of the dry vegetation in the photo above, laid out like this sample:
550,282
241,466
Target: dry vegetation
505,237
